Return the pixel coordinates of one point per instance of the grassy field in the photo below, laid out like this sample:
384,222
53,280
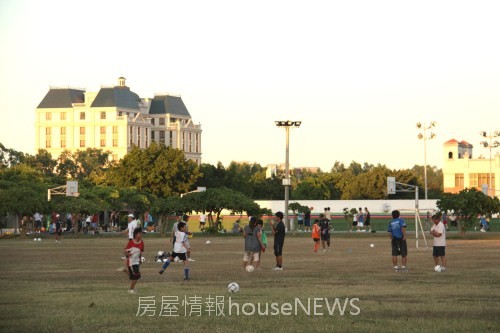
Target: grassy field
75,287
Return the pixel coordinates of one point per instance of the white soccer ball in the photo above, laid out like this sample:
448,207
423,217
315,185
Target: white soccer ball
437,268
159,260
143,259
160,253
208,242
372,245
39,239
35,239
176,259
386,207
249,268
233,287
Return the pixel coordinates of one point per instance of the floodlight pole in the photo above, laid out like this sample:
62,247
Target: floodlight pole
490,145
287,124
425,138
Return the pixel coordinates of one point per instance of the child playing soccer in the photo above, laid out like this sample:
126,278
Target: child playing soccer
316,235
263,240
181,250
133,252
438,230
397,230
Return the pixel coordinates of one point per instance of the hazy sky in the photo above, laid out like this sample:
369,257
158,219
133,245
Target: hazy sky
358,74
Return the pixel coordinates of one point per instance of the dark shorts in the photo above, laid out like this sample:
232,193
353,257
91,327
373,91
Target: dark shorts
367,222
300,222
399,247
316,239
307,223
325,237
181,256
202,223
59,232
354,224
438,251
278,247
38,224
133,272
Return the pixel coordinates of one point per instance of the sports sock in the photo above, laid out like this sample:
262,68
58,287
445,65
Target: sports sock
186,272
316,247
165,264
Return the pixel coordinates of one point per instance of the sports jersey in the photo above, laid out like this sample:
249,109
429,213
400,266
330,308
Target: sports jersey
324,225
395,227
134,257
251,239
315,231
180,238
131,226
441,240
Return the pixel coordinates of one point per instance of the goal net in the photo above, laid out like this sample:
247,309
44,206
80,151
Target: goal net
415,226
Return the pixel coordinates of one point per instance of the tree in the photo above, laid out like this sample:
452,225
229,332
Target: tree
214,200
160,170
467,205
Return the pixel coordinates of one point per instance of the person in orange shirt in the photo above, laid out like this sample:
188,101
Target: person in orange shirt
316,235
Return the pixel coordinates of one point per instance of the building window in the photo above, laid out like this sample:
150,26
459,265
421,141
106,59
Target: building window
138,136
103,136
153,121
62,115
162,137
152,135
82,137
171,139
196,143
131,135
146,137
48,116
115,136
162,121
48,137
190,143
115,157
63,137
103,115
82,115
120,113
450,155
459,181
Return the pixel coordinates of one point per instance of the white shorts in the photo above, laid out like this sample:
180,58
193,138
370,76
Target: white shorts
248,255
360,224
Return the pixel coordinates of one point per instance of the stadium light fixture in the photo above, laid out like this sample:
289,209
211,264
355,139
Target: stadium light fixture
423,136
287,124
490,145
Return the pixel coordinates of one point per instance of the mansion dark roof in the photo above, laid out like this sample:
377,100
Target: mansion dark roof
163,104
62,98
120,97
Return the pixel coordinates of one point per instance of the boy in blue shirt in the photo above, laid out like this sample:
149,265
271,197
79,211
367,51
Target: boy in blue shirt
397,230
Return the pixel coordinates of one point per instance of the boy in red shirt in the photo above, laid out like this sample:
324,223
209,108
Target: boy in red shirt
133,252
316,235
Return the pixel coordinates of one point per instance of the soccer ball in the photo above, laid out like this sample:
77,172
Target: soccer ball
386,207
160,253
233,287
35,239
437,268
249,268
372,245
39,239
207,242
143,259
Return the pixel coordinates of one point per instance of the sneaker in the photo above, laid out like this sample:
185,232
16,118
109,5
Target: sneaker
258,269
276,268
161,271
396,268
131,291
404,269
189,259
443,269
186,278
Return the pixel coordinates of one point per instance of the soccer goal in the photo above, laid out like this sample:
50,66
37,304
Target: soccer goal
413,219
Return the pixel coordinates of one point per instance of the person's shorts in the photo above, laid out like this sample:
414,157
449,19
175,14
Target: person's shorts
300,222
355,223
202,223
38,224
307,223
360,224
250,254
59,232
181,256
133,272
325,236
94,225
399,247
278,247
367,223
438,251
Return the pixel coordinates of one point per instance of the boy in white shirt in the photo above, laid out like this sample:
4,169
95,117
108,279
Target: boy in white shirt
438,230
181,250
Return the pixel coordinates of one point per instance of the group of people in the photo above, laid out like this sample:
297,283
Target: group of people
362,220
397,232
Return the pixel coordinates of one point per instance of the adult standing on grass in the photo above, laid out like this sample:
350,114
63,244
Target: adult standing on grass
361,220
367,219
307,219
132,224
58,228
133,253
438,230
397,230
324,225
203,219
279,240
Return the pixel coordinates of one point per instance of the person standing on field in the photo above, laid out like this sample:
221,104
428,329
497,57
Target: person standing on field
279,240
367,220
438,230
397,230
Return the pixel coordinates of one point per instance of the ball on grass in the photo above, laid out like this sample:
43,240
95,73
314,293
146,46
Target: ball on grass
208,242
372,245
233,287
249,268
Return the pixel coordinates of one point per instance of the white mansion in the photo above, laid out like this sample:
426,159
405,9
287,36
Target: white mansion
113,119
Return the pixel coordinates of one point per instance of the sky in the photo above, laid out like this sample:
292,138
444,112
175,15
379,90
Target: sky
358,74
